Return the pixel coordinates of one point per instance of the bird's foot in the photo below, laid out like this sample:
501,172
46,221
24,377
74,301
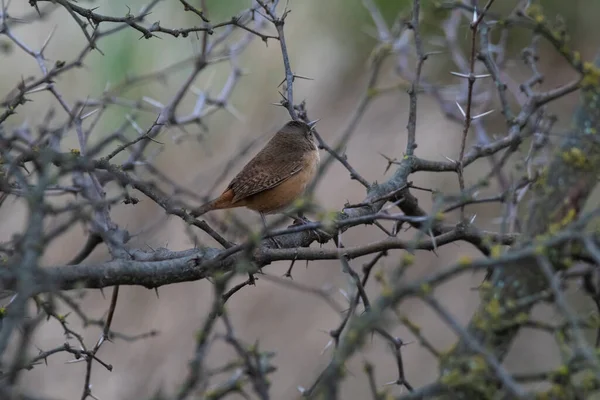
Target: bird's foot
299,219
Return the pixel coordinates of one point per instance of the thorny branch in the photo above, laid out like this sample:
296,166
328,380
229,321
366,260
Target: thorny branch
528,259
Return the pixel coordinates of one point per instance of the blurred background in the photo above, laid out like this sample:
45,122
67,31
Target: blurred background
330,42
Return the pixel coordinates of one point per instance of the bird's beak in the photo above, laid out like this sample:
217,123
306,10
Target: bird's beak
312,124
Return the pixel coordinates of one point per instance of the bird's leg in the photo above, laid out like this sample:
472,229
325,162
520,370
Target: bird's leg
299,219
264,221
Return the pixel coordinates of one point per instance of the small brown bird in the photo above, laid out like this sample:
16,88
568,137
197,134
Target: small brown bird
276,176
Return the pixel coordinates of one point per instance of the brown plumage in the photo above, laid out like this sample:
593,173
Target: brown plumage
276,176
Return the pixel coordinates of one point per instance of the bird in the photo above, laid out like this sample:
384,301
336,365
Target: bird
279,174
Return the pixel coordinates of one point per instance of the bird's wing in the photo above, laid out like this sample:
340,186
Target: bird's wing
263,172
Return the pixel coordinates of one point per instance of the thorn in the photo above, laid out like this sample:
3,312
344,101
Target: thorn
38,89
134,124
36,9
89,114
90,393
460,74
434,53
196,91
199,103
288,273
433,241
451,160
312,124
482,115
472,219
236,114
328,345
156,292
461,110
47,40
282,82
303,77
468,76
345,294
390,161
77,360
153,102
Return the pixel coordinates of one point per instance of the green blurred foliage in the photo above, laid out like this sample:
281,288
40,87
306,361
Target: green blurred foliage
346,22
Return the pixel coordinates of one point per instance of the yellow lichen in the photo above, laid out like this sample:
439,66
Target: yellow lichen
521,318
591,75
352,337
425,288
575,157
534,11
464,261
452,377
386,291
496,251
200,336
589,381
372,92
478,363
566,220
539,250
493,308
567,262
409,324
300,202
408,259
562,370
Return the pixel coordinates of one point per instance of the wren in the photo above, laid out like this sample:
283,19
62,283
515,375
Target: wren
276,176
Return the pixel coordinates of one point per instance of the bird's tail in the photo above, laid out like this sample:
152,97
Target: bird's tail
203,209
221,202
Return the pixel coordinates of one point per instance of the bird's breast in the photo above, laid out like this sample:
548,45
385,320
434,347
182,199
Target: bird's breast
311,160
283,195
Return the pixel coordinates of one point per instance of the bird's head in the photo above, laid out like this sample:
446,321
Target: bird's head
300,132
